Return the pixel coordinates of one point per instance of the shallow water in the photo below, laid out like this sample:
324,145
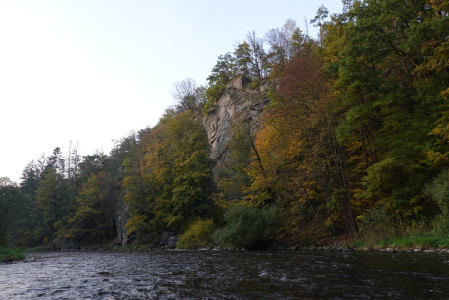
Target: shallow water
226,275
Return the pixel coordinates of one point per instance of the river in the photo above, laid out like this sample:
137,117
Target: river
226,275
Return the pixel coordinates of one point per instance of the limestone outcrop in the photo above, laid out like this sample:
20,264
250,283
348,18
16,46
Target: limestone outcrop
239,103
121,216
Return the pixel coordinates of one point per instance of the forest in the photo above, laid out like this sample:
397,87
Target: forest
353,143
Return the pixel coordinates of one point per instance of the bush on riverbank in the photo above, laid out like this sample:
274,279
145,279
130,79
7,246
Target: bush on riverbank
198,234
7,254
438,191
377,225
248,226
380,229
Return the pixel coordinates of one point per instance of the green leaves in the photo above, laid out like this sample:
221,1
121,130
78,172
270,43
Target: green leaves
385,79
52,199
173,184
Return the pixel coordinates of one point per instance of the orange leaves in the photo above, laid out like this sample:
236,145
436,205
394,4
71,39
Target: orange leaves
298,149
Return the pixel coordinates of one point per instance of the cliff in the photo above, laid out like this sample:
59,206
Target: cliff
239,103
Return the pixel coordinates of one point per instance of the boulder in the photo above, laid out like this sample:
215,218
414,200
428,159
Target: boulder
172,241
165,236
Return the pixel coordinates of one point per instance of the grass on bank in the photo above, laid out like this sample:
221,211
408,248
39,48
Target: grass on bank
425,241
407,242
7,254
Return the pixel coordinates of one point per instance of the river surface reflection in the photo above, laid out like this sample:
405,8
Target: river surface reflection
226,275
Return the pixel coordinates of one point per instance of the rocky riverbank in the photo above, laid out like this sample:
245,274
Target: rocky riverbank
344,247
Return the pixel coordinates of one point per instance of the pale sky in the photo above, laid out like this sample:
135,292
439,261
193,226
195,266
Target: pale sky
93,70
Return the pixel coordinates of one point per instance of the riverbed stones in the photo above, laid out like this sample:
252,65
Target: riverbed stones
417,250
293,248
367,249
429,251
390,250
205,249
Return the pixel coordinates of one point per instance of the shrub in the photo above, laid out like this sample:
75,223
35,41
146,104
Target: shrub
198,234
438,191
377,225
248,226
212,95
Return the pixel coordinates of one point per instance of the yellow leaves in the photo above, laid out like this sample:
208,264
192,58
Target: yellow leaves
135,222
198,234
435,158
445,94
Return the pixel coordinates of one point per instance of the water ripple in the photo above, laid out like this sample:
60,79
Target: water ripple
224,275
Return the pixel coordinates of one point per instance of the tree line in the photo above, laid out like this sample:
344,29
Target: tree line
355,135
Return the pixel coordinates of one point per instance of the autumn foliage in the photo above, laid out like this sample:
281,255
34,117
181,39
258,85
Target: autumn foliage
356,132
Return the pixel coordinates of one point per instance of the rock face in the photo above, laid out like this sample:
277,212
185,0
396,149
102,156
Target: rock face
238,103
121,217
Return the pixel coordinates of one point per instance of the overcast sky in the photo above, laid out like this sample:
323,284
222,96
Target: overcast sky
92,71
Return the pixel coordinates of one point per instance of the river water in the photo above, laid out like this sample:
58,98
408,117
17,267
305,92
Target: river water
226,275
